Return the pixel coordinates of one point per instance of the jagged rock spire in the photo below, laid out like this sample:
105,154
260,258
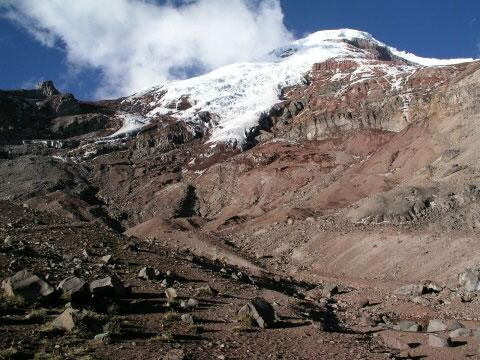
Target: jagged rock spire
47,88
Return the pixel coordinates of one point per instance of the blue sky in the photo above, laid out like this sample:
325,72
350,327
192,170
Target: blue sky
429,28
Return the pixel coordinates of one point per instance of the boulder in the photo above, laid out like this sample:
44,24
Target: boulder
68,320
367,320
410,290
469,280
461,332
407,325
206,290
188,318
104,338
72,319
190,304
107,259
329,290
146,273
109,286
260,310
171,294
28,287
362,302
438,341
73,288
432,287
454,325
436,326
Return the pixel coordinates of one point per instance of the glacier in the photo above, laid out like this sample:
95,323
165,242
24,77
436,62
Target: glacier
238,94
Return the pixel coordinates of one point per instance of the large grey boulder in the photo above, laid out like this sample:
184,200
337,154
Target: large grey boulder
28,287
72,319
73,288
469,280
109,286
461,332
410,290
68,320
438,341
436,326
261,311
406,325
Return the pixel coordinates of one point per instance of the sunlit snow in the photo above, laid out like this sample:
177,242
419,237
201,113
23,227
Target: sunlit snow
239,93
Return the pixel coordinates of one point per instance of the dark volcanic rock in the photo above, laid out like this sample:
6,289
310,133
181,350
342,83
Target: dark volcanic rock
73,288
261,311
28,286
109,286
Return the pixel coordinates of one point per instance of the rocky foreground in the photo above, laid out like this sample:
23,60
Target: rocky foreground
345,227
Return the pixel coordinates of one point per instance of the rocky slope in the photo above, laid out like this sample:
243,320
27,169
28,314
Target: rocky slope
336,159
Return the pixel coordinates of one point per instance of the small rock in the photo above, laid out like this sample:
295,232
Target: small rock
206,290
109,286
188,318
454,325
396,343
8,241
192,303
404,354
171,294
68,320
27,286
367,320
146,273
406,325
329,290
362,302
462,332
107,259
167,282
104,338
436,326
175,354
420,300
131,246
438,341
260,310
410,290
431,286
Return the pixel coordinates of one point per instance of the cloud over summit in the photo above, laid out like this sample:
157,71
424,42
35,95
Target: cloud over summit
138,43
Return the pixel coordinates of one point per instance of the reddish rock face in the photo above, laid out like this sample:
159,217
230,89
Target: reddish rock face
343,96
380,127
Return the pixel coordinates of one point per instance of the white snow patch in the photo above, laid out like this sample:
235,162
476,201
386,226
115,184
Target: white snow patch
132,124
427,61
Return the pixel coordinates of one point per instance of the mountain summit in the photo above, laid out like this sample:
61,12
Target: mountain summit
236,96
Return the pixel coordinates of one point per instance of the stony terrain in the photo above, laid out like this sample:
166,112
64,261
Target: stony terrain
345,228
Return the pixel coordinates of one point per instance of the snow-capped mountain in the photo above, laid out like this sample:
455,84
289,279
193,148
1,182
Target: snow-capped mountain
228,102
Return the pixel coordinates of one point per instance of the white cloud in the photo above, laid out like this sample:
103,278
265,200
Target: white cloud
141,43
